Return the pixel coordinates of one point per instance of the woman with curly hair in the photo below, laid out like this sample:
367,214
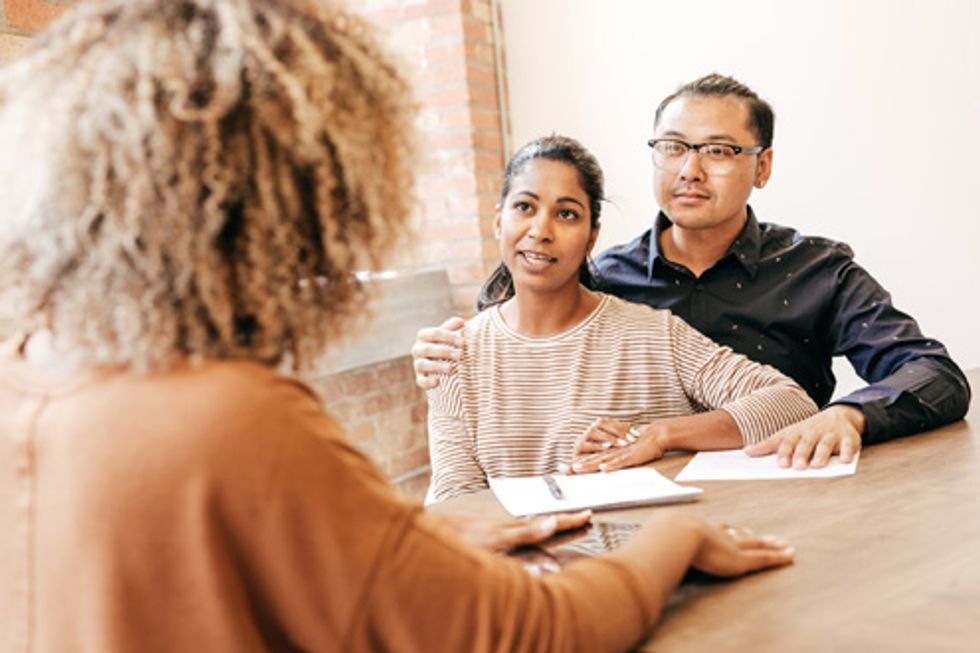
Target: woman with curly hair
188,187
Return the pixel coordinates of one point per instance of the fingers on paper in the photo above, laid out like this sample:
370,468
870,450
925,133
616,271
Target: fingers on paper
849,447
602,434
766,447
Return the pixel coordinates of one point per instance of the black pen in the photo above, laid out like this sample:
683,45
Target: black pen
552,484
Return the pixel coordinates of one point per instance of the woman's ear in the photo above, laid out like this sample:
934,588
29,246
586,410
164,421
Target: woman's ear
496,222
592,239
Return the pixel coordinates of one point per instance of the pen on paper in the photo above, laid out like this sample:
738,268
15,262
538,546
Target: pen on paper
552,484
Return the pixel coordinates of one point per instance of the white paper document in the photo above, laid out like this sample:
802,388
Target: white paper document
530,495
736,465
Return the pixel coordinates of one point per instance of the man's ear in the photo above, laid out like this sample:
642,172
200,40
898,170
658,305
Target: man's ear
764,168
496,222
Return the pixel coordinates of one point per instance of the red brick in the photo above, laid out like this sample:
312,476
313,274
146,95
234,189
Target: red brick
485,118
345,412
395,372
488,141
485,97
414,460
361,432
464,298
11,45
376,451
457,93
453,50
448,24
462,250
32,15
449,140
447,186
491,250
434,8
458,116
481,74
359,381
477,30
328,387
488,182
471,273
481,53
489,162
464,204
482,10
443,231
385,16
398,431
374,405
416,486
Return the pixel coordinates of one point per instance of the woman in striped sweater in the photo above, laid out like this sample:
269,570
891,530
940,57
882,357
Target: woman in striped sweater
557,376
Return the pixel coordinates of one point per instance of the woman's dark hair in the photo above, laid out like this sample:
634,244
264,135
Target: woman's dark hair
500,286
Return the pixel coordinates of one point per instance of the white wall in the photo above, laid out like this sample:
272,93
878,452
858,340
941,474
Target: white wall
877,122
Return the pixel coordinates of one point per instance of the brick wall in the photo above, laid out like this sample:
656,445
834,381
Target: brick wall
448,47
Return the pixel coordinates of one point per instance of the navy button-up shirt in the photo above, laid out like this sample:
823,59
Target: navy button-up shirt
795,302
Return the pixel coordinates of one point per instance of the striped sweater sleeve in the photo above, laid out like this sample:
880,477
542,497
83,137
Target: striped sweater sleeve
452,449
761,399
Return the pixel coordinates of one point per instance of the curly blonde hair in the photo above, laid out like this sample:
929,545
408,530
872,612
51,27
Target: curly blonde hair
199,178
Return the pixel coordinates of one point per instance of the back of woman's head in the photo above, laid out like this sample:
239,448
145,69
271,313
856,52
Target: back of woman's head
199,178
500,286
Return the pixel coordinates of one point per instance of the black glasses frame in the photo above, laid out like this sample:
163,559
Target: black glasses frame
739,149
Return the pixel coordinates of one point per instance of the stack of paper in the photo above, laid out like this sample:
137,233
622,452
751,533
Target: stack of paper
736,465
530,495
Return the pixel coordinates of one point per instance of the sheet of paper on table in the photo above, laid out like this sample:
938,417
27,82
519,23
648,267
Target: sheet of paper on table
736,465
529,495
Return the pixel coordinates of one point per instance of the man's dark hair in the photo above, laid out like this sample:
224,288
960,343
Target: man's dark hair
761,118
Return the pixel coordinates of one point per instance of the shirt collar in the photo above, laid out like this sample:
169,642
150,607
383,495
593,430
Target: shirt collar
746,248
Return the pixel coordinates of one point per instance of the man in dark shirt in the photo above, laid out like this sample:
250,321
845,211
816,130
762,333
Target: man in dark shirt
790,301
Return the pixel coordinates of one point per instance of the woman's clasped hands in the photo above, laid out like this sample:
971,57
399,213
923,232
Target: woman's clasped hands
609,444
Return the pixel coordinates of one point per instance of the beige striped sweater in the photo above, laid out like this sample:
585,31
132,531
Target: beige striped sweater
516,404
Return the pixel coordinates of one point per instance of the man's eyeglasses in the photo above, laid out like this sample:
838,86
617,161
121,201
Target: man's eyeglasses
716,158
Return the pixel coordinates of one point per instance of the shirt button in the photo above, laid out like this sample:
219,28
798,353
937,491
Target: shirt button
677,282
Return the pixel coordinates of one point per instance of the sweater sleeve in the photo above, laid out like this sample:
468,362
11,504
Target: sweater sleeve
452,448
341,562
760,398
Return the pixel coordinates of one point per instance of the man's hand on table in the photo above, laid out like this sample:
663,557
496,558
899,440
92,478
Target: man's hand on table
811,443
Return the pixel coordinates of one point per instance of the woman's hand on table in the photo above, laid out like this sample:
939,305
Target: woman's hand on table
732,551
609,444
503,534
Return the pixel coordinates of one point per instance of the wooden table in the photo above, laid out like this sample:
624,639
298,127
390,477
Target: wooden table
887,559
